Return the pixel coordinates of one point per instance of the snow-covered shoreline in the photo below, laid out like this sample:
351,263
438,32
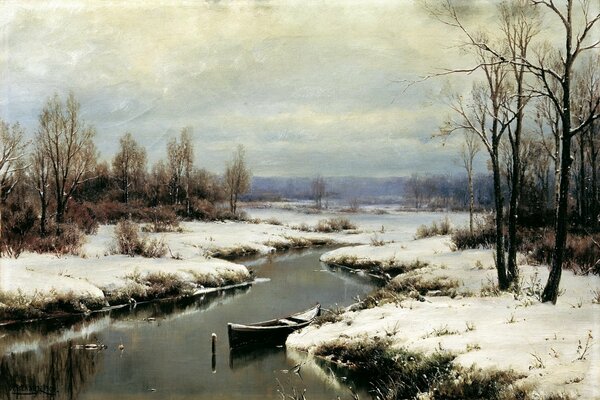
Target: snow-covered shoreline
542,341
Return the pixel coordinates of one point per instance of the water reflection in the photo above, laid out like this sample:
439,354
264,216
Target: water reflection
57,372
167,344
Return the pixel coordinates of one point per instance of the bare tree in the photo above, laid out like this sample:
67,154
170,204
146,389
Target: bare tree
318,190
519,23
237,177
158,183
12,156
180,160
68,144
468,152
40,180
550,77
129,164
485,115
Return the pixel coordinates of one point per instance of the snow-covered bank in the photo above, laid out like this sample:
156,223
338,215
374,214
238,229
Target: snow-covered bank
507,331
194,257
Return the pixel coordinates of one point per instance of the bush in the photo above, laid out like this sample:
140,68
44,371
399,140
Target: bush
162,219
69,241
582,255
110,212
17,226
443,228
484,236
82,215
203,209
128,241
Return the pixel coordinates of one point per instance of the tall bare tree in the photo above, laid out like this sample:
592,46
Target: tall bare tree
12,156
40,180
519,23
180,161
485,115
67,142
468,152
237,177
129,165
318,190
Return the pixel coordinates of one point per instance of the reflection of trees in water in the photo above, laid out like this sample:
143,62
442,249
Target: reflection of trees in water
60,369
58,372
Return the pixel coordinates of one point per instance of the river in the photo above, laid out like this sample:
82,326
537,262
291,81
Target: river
167,344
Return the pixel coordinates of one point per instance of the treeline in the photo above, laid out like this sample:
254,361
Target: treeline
533,111
54,187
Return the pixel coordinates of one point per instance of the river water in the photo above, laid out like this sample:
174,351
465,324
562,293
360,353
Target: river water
167,345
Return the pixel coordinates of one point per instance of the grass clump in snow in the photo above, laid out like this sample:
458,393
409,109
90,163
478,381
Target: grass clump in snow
425,285
444,227
295,242
152,286
329,316
20,306
230,253
398,373
389,266
128,241
223,278
405,374
334,225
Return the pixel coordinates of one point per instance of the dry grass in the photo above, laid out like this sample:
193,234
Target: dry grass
19,306
334,225
444,227
405,374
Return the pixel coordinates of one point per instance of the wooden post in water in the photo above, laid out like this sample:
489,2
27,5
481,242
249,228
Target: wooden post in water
214,353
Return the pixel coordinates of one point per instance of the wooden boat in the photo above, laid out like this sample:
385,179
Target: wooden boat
271,332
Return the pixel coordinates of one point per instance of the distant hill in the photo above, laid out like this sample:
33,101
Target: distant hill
340,188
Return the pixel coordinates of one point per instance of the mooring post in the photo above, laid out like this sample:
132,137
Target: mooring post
214,353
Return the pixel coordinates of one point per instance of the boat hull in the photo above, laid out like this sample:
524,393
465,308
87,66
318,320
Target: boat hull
273,332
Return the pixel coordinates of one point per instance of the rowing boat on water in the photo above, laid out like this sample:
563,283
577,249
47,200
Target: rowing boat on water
271,332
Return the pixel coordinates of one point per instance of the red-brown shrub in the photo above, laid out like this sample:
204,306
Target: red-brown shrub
83,215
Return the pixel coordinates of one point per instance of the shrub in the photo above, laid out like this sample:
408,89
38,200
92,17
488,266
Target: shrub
162,219
582,255
484,236
203,209
82,215
17,225
69,241
128,241
110,212
443,228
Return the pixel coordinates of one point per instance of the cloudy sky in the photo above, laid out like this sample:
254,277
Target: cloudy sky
307,86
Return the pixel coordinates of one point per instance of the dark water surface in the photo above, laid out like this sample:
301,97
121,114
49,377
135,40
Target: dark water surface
167,351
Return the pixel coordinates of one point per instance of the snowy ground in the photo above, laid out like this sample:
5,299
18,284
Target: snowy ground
96,271
543,341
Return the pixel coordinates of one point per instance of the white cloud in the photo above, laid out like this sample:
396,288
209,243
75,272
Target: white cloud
307,86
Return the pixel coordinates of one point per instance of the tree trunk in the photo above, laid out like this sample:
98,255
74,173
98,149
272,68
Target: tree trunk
583,214
471,202
551,290
503,282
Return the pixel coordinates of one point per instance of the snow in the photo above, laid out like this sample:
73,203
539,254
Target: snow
504,332
96,271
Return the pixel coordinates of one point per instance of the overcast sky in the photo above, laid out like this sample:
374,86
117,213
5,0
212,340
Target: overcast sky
308,87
